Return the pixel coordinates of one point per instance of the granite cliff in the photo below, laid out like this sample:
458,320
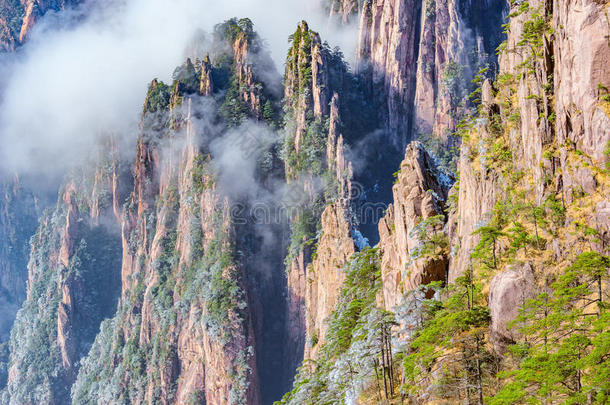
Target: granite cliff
241,253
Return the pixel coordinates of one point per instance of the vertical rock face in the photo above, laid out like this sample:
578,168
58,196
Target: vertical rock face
18,221
67,296
581,78
557,108
206,85
457,38
420,193
183,313
306,87
21,15
184,329
325,210
19,210
477,195
387,51
251,93
343,11
306,96
424,55
325,275
549,109
193,312
10,28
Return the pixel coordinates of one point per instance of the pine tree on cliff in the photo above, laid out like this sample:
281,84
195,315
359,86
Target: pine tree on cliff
565,349
450,349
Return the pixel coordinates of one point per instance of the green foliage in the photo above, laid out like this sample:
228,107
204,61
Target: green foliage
186,78
604,93
269,114
486,251
357,345
449,350
299,58
200,172
563,356
204,288
233,109
302,232
308,161
434,243
233,28
33,344
312,151
11,13
158,97
533,30
447,155
454,83
358,294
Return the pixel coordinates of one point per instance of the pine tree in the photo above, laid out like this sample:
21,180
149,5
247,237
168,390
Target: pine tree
487,250
450,349
565,350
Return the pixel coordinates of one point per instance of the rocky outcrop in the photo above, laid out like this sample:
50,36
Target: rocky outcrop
581,73
10,28
306,87
477,192
423,54
387,52
325,276
184,257
316,275
251,93
67,297
68,284
35,9
22,15
253,80
19,210
556,131
420,193
206,85
343,11
508,291
307,100
195,305
177,246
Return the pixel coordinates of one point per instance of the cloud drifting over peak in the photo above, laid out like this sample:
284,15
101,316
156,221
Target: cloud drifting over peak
73,82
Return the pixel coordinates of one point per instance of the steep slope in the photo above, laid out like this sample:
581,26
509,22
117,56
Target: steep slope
349,343
410,254
424,54
558,145
524,249
20,205
187,327
222,258
311,146
18,17
73,284
172,261
181,331
19,211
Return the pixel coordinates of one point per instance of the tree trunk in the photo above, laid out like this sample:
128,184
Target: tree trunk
375,363
479,378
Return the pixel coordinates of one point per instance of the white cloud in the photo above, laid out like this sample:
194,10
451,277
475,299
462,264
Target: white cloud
68,85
